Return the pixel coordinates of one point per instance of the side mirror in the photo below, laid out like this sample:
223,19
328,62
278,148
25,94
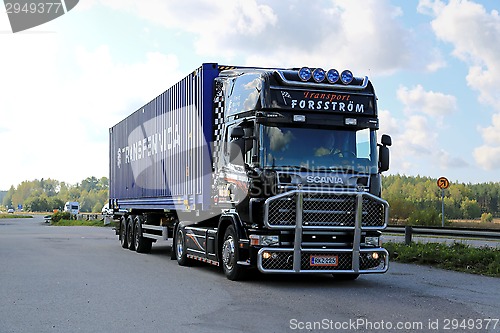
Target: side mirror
386,140
235,151
383,153
383,158
237,133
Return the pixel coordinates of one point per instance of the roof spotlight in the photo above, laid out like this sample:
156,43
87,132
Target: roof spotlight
318,75
346,77
305,73
332,75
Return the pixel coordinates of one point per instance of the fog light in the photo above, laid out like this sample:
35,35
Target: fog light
375,255
372,241
266,255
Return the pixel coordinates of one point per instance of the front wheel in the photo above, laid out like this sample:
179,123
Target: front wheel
180,247
229,256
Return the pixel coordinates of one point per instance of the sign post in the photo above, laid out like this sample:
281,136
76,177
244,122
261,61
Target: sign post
443,184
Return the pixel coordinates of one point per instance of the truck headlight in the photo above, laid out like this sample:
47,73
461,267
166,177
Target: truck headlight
372,241
264,240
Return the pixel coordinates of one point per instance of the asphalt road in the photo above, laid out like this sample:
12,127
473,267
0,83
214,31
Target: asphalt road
79,279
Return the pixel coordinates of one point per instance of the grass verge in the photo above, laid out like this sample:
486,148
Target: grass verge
458,257
15,216
93,223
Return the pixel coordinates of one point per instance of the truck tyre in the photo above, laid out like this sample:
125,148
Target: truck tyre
229,256
130,233
180,247
142,244
345,277
123,232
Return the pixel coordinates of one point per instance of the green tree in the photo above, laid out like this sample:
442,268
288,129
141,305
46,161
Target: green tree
486,217
427,217
470,209
37,204
7,200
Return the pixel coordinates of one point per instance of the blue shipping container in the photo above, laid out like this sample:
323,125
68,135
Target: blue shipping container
160,156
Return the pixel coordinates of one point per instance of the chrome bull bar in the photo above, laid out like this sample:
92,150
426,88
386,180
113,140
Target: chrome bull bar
323,207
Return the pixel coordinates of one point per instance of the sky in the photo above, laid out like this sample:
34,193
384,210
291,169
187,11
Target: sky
435,66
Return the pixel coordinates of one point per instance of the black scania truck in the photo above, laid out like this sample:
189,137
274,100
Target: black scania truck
266,168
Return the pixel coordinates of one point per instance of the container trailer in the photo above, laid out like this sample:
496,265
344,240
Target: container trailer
244,168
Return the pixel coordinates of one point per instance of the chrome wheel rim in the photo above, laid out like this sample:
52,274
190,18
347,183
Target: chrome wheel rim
179,242
136,233
228,253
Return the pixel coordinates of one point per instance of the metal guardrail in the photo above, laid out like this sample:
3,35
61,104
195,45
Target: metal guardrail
409,231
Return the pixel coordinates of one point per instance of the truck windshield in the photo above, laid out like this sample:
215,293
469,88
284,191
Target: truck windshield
313,149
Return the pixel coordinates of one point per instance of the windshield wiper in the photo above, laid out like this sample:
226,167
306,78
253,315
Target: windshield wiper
337,168
295,167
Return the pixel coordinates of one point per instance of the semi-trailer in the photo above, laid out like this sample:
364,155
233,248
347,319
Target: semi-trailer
272,169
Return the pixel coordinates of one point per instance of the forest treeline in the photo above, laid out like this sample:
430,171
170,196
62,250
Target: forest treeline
45,195
418,200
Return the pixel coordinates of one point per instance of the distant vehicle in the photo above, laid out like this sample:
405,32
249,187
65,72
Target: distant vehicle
106,211
73,207
10,211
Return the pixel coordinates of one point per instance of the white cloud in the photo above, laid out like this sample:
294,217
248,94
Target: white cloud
388,124
217,24
55,125
491,134
475,36
488,157
415,137
436,62
287,33
434,104
447,161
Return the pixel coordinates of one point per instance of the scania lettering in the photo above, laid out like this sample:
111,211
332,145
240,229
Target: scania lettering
272,169
326,180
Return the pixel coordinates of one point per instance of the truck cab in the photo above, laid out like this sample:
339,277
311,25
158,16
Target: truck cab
299,163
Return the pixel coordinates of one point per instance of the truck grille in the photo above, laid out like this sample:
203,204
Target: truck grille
326,210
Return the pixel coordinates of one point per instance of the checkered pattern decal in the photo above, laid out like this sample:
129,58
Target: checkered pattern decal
218,121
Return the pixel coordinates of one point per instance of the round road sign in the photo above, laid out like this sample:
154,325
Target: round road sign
443,183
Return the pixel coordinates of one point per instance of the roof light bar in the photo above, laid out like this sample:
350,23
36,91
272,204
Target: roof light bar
319,75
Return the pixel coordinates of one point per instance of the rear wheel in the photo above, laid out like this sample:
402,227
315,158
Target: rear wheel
130,233
229,257
123,232
142,244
